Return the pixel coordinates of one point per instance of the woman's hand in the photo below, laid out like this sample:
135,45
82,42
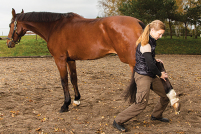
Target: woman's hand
164,75
158,60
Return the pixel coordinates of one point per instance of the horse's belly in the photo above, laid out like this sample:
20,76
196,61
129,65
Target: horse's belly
89,54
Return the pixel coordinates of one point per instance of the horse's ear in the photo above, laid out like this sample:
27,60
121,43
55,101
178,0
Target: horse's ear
22,11
13,13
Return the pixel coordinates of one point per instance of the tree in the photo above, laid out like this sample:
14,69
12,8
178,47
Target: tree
191,15
180,10
146,10
195,15
183,17
110,7
149,10
170,11
180,4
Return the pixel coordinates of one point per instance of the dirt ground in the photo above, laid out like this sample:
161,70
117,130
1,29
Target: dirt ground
31,97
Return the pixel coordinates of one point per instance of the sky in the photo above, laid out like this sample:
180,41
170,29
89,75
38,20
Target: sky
85,8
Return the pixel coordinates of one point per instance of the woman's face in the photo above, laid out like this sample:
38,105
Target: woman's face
156,34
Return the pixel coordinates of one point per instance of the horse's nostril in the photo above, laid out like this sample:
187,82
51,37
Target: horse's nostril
10,45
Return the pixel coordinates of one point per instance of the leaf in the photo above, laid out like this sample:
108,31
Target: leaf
14,113
44,119
38,129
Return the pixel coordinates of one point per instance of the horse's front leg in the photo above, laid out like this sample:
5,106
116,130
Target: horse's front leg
170,92
62,66
73,75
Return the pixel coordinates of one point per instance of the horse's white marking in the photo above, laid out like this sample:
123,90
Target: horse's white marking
172,97
177,112
76,102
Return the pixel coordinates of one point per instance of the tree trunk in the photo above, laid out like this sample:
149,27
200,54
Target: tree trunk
170,29
185,30
195,31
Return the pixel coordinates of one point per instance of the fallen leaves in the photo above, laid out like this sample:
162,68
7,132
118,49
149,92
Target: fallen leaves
188,123
44,119
38,129
61,130
99,132
1,115
14,113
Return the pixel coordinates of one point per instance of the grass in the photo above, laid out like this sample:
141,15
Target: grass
29,46
188,46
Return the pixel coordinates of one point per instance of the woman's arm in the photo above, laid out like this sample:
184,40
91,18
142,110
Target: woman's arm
151,64
146,52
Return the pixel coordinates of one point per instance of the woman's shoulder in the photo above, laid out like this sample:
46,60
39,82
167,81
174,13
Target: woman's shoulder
145,48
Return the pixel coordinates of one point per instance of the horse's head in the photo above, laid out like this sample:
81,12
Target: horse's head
16,31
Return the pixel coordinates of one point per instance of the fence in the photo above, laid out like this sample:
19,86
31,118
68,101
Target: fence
4,31
181,32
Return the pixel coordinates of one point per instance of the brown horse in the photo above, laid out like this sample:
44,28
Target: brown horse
71,37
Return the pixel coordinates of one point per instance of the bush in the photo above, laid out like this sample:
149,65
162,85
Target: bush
178,46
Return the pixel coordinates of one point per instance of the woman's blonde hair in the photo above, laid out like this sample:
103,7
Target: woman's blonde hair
144,37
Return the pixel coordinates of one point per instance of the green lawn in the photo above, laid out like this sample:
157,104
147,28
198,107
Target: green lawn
179,46
29,46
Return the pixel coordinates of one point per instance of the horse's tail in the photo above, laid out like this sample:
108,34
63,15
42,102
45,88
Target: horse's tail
142,24
131,90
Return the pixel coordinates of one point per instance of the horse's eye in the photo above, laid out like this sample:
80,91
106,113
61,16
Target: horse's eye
9,25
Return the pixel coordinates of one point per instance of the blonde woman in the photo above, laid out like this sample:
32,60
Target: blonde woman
147,76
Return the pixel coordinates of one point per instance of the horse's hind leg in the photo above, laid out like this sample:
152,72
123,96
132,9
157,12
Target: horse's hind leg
62,66
73,75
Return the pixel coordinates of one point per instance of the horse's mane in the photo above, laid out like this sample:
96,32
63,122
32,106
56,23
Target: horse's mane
44,16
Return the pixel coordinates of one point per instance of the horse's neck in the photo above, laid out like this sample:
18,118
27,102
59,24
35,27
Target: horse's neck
40,28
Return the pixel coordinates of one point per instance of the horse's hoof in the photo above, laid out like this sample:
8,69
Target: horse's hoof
177,107
76,103
63,110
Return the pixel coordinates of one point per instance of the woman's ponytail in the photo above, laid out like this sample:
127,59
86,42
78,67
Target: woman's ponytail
144,37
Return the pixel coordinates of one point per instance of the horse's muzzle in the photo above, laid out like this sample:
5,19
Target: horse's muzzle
11,44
